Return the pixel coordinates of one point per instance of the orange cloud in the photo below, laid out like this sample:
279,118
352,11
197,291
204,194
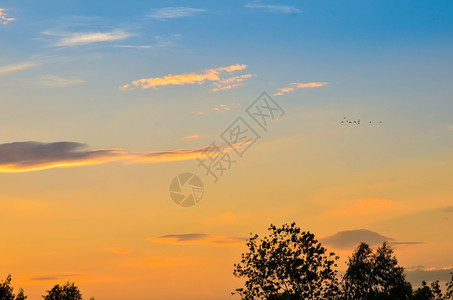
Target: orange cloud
33,156
215,75
49,276
200,113
221,106
230,83
195,136
198,239
296,85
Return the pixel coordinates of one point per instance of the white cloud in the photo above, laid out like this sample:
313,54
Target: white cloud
282,9
84,38
174,12
56,82
16,67
4,19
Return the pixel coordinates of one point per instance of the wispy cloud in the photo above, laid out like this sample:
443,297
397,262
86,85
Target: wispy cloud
16,67
32,156
85,38
218,76
230,83
134,46
352,238
281,9
50,276
198,239
52,81
296,85
199,113
174,12
221,107
194,136
4,19
159,42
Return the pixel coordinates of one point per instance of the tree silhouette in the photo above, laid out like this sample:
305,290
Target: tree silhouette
6,291
375,275
423,292
69,291
21,295
449,291
287,264
434,291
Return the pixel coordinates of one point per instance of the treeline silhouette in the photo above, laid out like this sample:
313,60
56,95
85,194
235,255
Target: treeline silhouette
68,291
290,264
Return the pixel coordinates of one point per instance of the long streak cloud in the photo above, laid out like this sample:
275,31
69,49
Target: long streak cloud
220,77
32,156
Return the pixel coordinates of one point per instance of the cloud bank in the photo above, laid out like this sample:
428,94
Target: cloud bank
32,156
352,238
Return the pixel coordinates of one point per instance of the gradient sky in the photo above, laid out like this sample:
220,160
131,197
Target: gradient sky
103,103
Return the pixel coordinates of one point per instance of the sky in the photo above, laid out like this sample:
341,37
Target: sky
334,115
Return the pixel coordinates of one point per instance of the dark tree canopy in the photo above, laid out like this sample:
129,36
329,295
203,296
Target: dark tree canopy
287,264
69,291
6,291
423,293
21,295
449,291
375,275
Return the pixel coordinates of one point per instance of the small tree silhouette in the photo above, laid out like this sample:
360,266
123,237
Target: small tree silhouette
449,291
423,293
287,264
375,275
6,291
69,291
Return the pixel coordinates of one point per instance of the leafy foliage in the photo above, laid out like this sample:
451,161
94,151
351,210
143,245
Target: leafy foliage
6,291
69,291
375,275
287,264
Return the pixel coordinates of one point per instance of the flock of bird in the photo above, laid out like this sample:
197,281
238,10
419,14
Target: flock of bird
345,121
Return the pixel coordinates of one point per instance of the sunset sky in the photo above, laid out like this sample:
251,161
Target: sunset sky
103,103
